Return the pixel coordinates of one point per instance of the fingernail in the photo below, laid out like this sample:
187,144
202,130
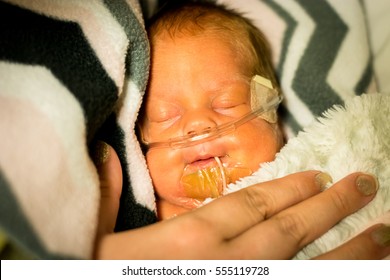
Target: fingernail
101,153
367,184
323,179
382,235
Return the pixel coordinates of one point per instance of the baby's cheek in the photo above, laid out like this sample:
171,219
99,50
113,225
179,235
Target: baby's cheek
165,173
256,144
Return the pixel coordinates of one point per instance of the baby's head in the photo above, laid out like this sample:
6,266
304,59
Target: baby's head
203,58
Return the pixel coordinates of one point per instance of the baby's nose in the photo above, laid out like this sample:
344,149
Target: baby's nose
198,122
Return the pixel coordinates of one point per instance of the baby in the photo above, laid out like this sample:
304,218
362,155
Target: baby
209,116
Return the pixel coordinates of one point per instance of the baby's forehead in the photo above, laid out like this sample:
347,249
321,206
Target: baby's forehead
234,85
238,44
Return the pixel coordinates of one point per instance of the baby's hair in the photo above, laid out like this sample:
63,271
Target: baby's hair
196,17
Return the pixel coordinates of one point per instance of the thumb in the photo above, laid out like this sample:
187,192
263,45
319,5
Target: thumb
110,177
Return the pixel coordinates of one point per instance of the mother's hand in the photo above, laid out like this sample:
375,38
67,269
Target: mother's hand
271,220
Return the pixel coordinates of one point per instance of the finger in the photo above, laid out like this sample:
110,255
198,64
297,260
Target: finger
285,233
235,213
372,244
110,177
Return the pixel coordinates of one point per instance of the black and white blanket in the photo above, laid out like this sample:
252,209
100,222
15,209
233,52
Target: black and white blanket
70,72
75,71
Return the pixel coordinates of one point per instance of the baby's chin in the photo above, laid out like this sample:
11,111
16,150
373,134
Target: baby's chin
167,209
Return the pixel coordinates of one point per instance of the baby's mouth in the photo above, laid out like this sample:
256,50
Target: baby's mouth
203,163
209,177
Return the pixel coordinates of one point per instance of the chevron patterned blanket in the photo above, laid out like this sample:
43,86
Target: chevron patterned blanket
321,51
75,71
70,71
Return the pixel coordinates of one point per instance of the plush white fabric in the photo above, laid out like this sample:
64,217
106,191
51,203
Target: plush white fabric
343,140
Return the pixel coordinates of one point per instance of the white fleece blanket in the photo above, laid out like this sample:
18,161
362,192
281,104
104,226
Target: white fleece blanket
344,140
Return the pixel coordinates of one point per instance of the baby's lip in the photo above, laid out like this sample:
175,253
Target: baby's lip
203,155
203,161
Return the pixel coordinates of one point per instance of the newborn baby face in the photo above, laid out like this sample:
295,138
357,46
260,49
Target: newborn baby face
198,83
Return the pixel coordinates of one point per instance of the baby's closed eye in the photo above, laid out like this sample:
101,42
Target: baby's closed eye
163,113
231,105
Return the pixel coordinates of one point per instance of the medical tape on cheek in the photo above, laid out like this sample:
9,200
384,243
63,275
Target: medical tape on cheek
264,102
262,92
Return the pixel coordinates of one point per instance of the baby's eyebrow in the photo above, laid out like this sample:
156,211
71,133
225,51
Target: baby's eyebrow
235,80
226,84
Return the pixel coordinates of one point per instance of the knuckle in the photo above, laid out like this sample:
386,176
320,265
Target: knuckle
340,202
293,226
261,204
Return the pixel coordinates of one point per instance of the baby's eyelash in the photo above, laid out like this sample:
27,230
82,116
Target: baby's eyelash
161,110
165,118
226,103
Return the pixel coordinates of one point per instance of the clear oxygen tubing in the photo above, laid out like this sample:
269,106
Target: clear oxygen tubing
261,92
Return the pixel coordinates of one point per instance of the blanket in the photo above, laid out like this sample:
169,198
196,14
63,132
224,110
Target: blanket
73,72
315,46
345,139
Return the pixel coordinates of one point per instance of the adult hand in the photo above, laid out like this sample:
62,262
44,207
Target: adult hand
110,174
271,220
